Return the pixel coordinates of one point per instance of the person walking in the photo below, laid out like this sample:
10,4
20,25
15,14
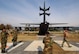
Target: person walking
65,37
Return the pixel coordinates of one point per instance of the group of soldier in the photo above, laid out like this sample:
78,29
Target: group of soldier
48,42
4,37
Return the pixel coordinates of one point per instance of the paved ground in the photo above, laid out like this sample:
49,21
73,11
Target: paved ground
20,49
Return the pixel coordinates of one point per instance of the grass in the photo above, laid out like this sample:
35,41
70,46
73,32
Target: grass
33,36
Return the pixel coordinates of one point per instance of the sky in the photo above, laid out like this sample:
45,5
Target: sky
15,12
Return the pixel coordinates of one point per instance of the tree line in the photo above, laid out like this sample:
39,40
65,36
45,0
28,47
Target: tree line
7,26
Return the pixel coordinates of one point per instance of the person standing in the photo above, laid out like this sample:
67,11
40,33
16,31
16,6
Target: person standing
14,39
4,36
65,37
47,44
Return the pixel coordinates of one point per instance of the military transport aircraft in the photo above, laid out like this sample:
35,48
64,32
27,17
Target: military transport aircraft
44,20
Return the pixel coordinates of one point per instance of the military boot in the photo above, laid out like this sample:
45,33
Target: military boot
3,51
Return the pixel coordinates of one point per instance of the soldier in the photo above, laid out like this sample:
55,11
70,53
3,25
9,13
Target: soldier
65,37
4,36
14,40
47,44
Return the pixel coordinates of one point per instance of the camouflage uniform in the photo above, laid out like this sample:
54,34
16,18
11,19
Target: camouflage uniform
14,33
4,36
47,45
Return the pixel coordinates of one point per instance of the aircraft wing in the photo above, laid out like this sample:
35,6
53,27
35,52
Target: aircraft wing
39,23
30,23
57,23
